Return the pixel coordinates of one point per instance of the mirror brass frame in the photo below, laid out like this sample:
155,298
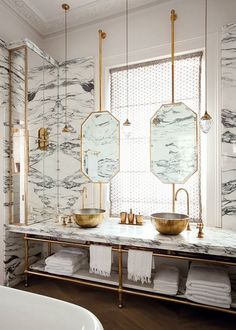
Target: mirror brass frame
81,139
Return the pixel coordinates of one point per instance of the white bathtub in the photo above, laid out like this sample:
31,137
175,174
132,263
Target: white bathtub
21,310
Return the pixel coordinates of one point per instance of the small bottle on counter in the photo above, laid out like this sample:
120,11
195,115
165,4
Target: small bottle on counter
131,217
139,219
123,217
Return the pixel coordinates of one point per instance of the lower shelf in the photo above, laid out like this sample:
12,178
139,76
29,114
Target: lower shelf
145,289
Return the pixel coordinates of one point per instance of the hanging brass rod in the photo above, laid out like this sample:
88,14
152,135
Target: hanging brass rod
102,35
173,18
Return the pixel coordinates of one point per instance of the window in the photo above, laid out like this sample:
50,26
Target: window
149,87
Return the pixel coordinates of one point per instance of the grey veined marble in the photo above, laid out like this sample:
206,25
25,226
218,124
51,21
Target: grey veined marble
228,117
174,143
215,242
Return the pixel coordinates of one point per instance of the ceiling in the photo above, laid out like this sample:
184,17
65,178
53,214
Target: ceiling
47,16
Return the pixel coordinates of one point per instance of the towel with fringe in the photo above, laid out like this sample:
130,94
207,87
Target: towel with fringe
139,266
100,260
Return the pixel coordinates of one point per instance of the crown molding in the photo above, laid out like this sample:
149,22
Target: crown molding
79,17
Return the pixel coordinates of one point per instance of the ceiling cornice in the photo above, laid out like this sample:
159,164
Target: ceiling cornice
78,18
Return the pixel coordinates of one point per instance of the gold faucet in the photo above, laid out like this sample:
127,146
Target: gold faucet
187,194
84,195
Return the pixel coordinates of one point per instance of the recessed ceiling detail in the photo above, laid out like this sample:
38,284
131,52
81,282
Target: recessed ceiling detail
47,17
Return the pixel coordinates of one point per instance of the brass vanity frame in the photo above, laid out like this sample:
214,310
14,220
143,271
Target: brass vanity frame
121,249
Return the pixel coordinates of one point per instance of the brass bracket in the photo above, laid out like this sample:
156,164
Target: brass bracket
173,15
43,138
102,34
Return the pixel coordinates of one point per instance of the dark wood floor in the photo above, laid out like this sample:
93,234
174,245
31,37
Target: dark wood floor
138,313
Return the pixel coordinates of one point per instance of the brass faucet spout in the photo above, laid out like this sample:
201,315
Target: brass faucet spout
187,194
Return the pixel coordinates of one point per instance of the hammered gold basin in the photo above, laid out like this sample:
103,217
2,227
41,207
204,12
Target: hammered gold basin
169,223
89,218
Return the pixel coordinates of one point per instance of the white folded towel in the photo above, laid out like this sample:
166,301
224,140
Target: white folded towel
66,270
58,265
208,301
210,277
100,260
64,258
139,266
166,280
223,297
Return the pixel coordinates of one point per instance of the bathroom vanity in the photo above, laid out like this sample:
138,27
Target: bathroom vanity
218,247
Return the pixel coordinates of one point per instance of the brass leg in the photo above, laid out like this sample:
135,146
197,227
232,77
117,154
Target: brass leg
26,243
49,249
120,278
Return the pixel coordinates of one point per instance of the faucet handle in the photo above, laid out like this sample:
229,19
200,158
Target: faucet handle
200,230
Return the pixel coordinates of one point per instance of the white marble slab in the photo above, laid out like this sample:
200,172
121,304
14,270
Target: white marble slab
215,242
228,118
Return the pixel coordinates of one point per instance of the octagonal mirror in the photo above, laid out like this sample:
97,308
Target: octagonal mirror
100,146
174,150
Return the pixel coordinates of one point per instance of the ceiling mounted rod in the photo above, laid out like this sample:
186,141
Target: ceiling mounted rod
102,35
173,18
66,128
206,120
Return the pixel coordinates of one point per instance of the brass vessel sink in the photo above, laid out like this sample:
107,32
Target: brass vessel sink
169,223
89,218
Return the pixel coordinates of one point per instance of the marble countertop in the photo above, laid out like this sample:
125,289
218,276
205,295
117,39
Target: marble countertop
216,241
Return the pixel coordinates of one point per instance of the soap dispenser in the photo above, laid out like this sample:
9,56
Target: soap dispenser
131,217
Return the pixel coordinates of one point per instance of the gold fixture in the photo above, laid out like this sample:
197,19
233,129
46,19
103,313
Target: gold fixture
43,138
200,230
102,36
123,217
206,120
131,217
169,223
173,18
139,219
127,123
187,194
66,128
89,218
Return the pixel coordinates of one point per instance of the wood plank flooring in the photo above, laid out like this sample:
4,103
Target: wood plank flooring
138,313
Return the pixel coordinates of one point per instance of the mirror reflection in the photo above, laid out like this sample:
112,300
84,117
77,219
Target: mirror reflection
33,98
174,143
100,146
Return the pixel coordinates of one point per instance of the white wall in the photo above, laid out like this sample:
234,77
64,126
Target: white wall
149,37
13,28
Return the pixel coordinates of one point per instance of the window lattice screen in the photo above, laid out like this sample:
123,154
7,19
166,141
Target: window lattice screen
149,87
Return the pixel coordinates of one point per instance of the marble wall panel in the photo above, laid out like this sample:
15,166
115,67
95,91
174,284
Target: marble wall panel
55,177
228,117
